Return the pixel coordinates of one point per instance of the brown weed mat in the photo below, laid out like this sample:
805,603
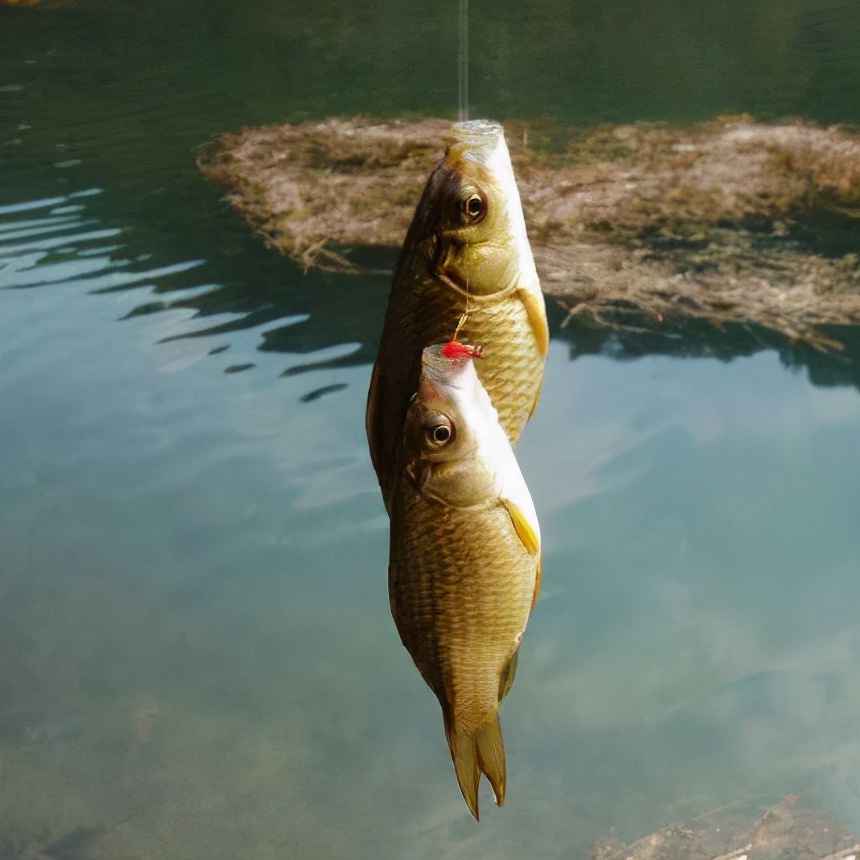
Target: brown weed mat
731,220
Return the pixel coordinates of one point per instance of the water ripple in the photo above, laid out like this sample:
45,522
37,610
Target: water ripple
64,242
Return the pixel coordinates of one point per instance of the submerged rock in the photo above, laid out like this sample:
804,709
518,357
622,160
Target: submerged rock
730,220
785,830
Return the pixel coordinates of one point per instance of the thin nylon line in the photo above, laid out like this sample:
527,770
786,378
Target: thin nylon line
463,62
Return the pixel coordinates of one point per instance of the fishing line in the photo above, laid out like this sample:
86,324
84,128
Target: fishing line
463,113
463,316
463,63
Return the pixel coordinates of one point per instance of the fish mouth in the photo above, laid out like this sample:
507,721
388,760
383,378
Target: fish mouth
475,132
477,128
479,137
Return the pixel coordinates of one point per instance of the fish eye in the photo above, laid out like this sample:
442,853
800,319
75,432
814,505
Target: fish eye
474,207
440,433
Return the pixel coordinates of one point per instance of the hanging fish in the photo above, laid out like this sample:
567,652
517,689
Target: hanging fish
466,267
464,568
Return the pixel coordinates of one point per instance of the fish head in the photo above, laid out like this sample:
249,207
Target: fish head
449,424
470,220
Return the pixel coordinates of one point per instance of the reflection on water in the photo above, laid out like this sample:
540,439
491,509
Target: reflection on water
694,338
196,653
196,635
56,240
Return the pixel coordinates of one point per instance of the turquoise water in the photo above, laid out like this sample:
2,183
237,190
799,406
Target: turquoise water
196,655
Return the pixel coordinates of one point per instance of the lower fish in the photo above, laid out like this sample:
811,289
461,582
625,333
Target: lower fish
465,568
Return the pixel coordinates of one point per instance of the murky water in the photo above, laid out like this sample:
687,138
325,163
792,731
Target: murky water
196,656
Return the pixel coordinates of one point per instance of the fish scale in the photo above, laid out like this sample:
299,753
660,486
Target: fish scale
433,288
464,562
511,371
485,574
513,367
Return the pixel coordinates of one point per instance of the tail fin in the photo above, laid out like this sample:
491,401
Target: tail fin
475,752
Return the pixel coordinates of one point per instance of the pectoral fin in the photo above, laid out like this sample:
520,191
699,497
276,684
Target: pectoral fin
536,312
529,539
535,403
522,527
538,575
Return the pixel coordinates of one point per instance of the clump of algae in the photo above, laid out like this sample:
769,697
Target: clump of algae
730,220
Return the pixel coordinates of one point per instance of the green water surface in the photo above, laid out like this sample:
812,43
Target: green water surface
196,654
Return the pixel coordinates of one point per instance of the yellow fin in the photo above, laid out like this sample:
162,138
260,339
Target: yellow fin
535,402
477,752
529,539
538,575
506,680
523,527
536,311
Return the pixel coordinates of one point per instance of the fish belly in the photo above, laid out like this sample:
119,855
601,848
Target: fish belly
461,585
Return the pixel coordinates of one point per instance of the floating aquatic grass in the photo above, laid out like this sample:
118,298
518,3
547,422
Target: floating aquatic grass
705,221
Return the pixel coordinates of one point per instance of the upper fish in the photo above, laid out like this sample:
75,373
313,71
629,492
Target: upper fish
464,564
466,270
